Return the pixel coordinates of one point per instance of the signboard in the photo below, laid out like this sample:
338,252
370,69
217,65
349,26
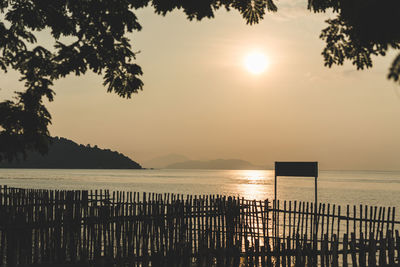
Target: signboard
299,169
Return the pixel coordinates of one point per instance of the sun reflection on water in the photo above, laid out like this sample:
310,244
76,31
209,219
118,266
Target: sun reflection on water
254,176
255,184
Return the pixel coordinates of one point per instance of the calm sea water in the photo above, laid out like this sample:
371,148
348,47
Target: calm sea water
338,187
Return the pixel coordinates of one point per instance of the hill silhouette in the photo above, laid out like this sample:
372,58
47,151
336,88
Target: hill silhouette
66,154
163,161
217,164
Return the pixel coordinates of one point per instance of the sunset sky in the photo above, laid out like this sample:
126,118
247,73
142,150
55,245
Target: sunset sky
199,100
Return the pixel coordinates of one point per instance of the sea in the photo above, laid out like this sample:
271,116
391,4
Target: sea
377,188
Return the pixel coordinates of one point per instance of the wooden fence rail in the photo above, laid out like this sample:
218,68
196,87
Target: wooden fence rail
103,228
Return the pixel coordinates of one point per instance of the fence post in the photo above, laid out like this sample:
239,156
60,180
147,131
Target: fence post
390,239
372,251
335,248
345,247
353,250
382,249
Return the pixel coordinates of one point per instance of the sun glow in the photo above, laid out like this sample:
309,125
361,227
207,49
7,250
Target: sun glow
255,62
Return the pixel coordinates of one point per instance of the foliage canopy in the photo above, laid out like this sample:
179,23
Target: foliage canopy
98,28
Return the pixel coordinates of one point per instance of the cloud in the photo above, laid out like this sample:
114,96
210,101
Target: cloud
288,10
294,9
349,72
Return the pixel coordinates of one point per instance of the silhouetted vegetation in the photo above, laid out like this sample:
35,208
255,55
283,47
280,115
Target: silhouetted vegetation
66,154
97,41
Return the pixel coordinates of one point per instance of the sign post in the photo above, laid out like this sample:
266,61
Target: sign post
297,169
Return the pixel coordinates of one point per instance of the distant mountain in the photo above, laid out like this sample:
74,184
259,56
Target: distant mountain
163,161
66,154
218,164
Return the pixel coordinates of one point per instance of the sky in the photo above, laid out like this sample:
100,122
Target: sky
200,101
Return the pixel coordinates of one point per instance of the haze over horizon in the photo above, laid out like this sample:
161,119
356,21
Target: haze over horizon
200,101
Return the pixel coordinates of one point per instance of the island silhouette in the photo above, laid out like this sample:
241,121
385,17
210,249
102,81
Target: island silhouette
66,154
216,164
161,162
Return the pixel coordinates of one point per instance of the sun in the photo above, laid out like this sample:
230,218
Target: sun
255,63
